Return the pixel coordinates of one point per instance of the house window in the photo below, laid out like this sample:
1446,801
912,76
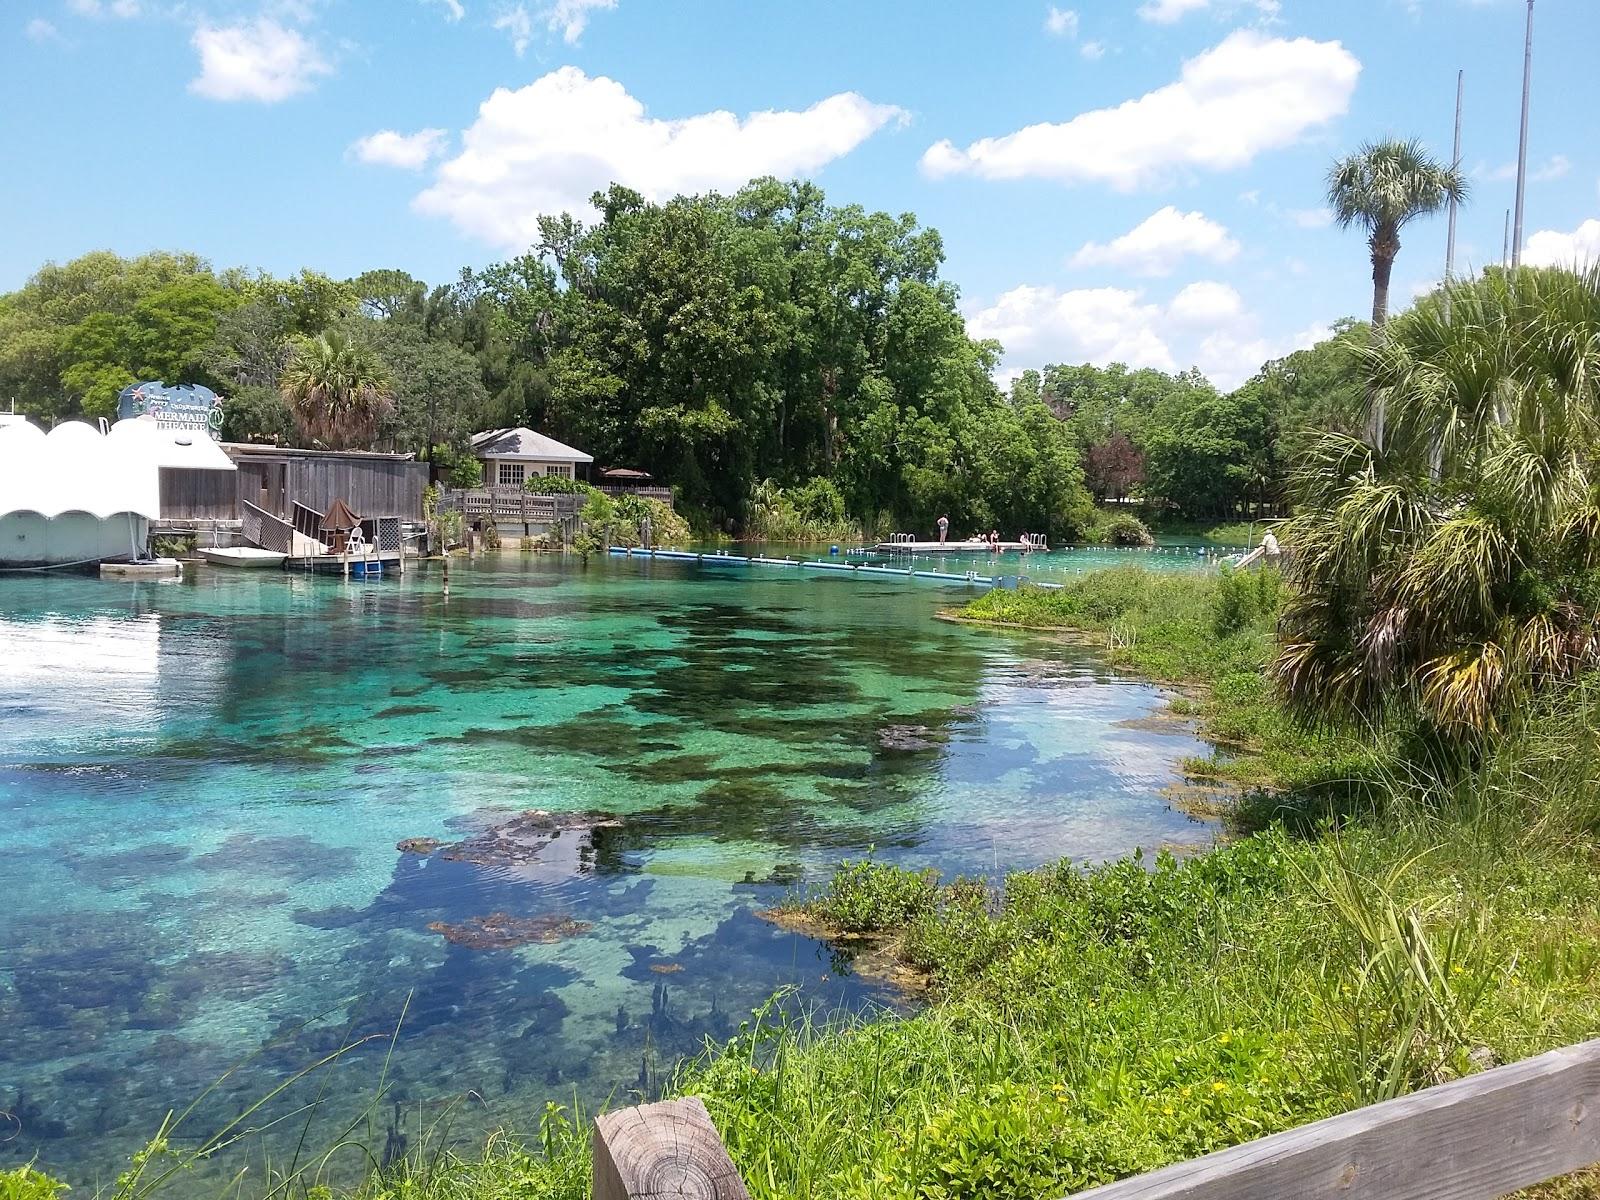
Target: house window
561,469
511,473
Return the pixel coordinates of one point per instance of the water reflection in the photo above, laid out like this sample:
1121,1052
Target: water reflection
205,786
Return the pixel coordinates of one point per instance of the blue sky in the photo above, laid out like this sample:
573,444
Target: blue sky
1133,180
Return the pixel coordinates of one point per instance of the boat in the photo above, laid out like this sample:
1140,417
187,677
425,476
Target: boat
240,556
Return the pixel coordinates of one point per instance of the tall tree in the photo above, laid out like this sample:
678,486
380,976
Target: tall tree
1381,188
337,390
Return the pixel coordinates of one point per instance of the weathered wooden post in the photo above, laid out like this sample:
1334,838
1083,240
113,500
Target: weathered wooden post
662,1151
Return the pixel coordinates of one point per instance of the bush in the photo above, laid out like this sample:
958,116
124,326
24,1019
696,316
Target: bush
557,485
1243,597
457,467
866,895
174,547
491,536
24,1183
1124,529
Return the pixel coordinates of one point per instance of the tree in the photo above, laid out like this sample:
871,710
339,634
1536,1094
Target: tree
1452,563
1113,468
337,390
437,388
1381,188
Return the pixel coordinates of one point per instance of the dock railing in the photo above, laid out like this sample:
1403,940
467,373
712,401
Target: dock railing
1476,1138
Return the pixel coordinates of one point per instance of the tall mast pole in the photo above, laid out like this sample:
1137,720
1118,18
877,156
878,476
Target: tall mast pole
1505,246
1522,148
1455,165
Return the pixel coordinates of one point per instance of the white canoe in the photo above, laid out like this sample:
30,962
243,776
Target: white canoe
241,556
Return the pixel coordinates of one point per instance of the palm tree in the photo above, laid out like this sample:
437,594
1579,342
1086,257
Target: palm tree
337,390
1381,187
1452,568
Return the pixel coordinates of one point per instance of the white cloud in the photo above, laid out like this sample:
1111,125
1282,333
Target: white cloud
564,18
1206,304
1095,325
410,151
124,9
257,60
517,22
454,10
1063,22
1309,218
1247,95
1230,356
1092,50
1155,245
1165,12
1217,332
1168,12
1552,248
571,17
40,30
547,147
1555,167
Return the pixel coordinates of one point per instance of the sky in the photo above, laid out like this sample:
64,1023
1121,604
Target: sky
1138,181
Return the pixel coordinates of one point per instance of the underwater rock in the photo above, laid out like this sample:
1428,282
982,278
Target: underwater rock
519,840
908,738
666,968
502,931
418,845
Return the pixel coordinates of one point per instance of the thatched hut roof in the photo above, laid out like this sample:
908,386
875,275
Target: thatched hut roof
339,517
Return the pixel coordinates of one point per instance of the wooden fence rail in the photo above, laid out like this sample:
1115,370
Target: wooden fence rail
1473,1139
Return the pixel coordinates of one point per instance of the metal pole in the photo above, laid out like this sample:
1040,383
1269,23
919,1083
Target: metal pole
1522,148
1455,165
1505,246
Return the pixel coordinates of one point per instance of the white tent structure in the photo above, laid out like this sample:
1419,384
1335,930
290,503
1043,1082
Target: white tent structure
75,496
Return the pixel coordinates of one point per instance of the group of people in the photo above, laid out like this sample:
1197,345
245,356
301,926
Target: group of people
990,539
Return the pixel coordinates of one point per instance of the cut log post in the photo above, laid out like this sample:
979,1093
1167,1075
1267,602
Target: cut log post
665,1151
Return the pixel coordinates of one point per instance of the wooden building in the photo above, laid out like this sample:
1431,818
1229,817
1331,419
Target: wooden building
276,478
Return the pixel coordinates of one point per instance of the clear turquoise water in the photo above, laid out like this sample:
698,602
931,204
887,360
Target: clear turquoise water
203,783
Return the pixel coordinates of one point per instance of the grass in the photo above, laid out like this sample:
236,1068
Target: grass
1221,533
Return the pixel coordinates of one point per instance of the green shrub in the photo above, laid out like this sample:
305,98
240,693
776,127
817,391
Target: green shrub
174,546
866,895
1123,529
457,467
558,485
24,1183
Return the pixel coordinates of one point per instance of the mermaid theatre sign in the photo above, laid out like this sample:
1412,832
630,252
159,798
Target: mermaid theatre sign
181,406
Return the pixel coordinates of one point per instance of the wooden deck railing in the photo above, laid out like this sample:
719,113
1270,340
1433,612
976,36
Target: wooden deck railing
1474,1139
510,504
265,530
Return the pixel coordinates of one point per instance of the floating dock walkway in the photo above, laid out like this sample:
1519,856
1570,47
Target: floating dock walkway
969,578
966,547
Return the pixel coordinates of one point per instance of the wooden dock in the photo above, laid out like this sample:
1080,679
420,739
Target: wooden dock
968,578
352,566
967,547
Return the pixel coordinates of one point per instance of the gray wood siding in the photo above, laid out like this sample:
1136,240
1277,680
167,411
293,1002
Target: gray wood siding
189,494
371,487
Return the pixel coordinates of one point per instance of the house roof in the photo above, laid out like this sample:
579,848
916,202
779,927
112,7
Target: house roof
525,443
238,450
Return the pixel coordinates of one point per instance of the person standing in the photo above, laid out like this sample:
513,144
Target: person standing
944,528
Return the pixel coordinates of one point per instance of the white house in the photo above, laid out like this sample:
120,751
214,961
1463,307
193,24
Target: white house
511,457
75,496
